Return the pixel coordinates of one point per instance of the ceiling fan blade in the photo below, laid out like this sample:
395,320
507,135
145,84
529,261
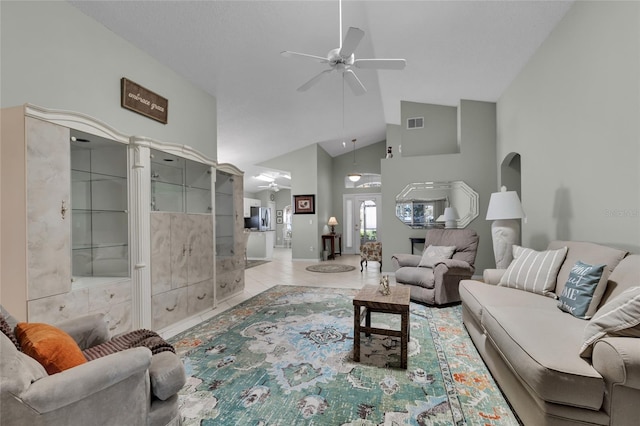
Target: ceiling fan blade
289,54
313,81
351,41
354,82
381,64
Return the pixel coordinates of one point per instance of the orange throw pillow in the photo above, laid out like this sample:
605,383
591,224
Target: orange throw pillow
54,349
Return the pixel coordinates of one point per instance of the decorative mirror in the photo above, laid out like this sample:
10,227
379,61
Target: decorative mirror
421,205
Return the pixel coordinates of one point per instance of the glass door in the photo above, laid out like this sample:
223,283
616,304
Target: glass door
360,218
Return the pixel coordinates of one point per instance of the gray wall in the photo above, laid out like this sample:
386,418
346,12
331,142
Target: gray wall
573,114
310,168
56,57
475,164
439,135
367,161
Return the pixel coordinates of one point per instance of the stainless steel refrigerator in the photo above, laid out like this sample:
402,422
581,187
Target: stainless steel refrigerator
260,218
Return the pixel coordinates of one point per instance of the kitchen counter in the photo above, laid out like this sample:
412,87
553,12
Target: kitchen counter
260,245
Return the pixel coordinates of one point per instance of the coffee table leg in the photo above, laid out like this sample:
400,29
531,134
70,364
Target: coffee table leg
368,321
404,339
356,333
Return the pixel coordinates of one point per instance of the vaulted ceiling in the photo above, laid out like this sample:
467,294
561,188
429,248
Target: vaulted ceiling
231,49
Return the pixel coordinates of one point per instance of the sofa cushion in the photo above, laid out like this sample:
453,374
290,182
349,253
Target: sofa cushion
50,346
422,277
433,254
619,317
588,253
475,295
540,344
534,271
579,288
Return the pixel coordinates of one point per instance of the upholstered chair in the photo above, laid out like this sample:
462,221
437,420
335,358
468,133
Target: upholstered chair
128,387
371,251
432,277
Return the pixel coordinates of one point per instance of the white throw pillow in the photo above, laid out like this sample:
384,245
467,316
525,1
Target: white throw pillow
619,317
534,271
433,254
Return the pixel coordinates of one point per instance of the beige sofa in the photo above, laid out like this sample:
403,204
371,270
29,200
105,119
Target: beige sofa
532,348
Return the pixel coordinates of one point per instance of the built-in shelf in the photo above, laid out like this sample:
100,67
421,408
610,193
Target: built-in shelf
99,207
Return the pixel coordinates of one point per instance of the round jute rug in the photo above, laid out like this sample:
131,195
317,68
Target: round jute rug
331,267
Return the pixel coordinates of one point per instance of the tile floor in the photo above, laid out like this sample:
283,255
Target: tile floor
284,271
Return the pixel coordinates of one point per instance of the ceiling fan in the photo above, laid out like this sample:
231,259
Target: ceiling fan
274,186
342,59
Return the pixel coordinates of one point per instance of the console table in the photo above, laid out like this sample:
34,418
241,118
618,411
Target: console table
415,240
331,238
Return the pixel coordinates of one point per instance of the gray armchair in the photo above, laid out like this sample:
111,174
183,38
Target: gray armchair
438,285
130,387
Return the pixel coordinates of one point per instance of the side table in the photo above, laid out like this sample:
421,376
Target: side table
331,238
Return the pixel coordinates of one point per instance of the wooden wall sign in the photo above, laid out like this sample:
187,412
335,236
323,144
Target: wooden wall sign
143,101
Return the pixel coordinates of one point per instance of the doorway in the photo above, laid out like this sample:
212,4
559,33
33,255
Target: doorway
360,216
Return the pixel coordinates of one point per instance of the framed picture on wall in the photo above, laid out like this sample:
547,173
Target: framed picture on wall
278,213
304,204
279,220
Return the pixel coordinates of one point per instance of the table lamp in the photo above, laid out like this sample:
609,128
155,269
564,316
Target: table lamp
450,217
504,209
332,223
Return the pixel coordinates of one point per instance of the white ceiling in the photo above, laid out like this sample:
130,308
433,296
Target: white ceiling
231,49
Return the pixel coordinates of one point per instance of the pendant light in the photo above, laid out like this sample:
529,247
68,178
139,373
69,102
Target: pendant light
355,176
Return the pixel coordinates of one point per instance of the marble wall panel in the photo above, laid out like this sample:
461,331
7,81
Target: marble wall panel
200,297
200,248
160,252
180,229
60,307
169,307
48,194
229,284
104,296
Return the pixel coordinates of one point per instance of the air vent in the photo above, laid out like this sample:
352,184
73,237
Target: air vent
415,123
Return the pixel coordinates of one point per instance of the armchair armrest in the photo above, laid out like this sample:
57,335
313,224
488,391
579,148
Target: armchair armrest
77,383
87,330
618,360
492,276
400,260
455,266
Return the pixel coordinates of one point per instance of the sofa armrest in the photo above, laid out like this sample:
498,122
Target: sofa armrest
77,383
492,276
87,330
401,260
617,359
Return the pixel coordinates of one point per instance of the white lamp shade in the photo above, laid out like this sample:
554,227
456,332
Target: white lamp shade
354,177
504,205
332,221
450,214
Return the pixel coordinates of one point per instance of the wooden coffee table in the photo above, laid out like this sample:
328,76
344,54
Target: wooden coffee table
372,300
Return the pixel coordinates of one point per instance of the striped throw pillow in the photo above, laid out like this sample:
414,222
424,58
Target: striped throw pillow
534,271
619,317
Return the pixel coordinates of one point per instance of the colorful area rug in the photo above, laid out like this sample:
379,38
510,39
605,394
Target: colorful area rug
284,358
330,268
